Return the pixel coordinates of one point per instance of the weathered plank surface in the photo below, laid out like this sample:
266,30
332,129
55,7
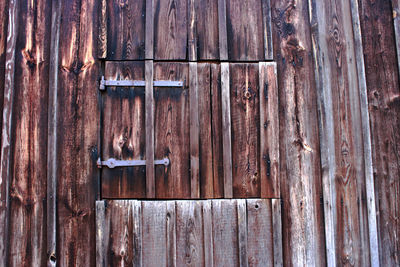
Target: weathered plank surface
383,90
216,131
3,46
269,131
205,130
172,131
396,20
6,130
302,216
267,30
123,135
27,217
125,30
149,125
206,21
170,29
341,130
78,123
244,22
188,233
245,118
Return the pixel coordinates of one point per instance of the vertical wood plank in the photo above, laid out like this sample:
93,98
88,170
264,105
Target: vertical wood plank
216,131
149,122
207,29
208,242
226,133
225,233
52,134
171,233
189,233
172,131
260,247
3,47
170,29
269,131
154,233
77,131
383,92
302,213
277,232
5,155
102,37
341,111
149,35
242,231
267,28
126,24
396,21
137,233
194,131
27,217
245,118
100,234
366,130
192,31
205,131
222,30
244,23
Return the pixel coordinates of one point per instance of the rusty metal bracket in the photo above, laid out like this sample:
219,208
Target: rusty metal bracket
112,163
137,83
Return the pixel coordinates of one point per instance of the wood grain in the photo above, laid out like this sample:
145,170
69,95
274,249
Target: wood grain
302,213
149,124
205,131
225,233
267,29
126,23
260,247
242,232
77,134
123,135
3,46
340,109
208,233
51,208
5,153
154,233
170,29
207,29
396,21
277,231
194,132
226,130
244,22
192,30
216,131
245,120
149,35
102,36
222,31
383,91
269,131
27,218
172,131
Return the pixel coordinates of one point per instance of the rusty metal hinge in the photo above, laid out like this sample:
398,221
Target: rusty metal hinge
112,163
131,83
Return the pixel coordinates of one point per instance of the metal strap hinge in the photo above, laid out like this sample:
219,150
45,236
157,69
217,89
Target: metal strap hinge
131,83
112,163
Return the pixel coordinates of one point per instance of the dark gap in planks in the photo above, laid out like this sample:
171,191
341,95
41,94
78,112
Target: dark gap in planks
102,72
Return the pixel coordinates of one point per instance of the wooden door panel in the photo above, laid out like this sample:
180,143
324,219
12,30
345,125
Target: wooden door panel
123,135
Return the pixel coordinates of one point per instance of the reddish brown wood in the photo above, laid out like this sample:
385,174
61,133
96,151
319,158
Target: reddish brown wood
170,29
149,124
383,89
77,134
216,131
207,29
244,99
172,131
302,214
205,130
125,29
3,44
27,219
269,131
123,135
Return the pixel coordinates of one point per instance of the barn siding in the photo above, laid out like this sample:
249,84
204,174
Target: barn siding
47,215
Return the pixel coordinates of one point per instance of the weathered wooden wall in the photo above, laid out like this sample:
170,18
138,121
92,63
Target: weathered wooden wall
338,173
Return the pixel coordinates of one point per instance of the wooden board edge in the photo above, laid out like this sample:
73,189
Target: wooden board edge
149,34
194,132
242,231
149,125
102,37
267,30
192,31
100,217
366,132
396,21
222,30
277,232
